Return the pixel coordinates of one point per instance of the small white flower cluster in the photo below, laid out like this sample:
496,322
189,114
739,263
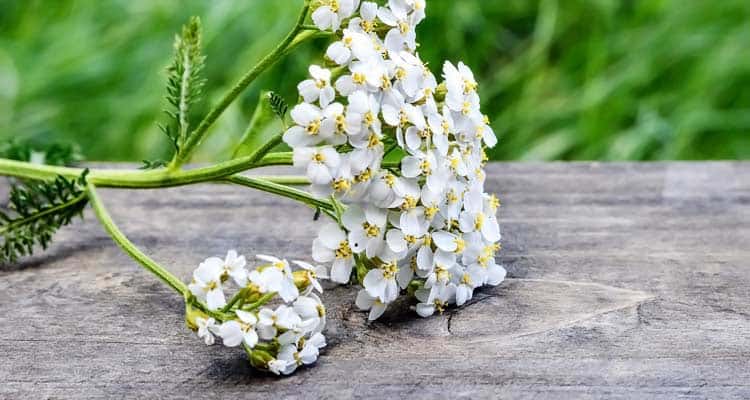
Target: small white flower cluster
279,338
424,225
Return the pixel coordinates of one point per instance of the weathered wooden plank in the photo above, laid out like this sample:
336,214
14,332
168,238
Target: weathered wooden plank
626,281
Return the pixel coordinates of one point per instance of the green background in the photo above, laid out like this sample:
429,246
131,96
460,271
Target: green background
560,79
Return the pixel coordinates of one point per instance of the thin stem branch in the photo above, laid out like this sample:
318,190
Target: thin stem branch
282,190
109,225
200,132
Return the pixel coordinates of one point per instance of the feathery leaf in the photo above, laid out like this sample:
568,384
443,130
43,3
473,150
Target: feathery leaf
37,209
184,82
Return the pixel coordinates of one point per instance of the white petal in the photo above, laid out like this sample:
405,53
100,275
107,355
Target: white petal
231,333
376,311
341,270
444,240
215,299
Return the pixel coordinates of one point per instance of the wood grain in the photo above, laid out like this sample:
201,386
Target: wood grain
625,281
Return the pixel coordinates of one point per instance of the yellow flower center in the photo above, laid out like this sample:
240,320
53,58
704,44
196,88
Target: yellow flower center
400,73
389,270
451,196
341,185
441,273
371,230
466,279
469,86
390,180
340,123
431,211
314,127
367,26
369,118
318,158
344,251
385,82
332,4
373,140
403,119
408,203
460,245
494,203
425,167
359,78
478,221
403,27
364,176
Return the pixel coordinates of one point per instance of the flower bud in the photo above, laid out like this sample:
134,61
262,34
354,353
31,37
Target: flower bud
440,92
191,313
301,279
260,359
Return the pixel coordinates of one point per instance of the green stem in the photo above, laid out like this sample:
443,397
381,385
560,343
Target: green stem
138,179
199,133
261,301
128,246
282,190
237,296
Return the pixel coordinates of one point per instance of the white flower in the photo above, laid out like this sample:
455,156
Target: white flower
320,162
366,302
468,281
206,284
206,327
435,299
352,45
277,366
306,132
269,321
313,273
234,332
295,357
319,87
396,15
365,23
285,287
366,229
234,266
311,308
330,13
381,282
331,245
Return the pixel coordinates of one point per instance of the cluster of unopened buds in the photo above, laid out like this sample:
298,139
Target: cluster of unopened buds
422,225
274,315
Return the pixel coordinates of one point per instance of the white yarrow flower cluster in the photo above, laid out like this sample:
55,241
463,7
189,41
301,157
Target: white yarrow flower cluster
280,337
423,225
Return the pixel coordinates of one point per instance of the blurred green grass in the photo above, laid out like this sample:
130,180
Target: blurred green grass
560,79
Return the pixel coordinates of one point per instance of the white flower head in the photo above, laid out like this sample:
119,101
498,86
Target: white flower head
318,87
330,13
207,285
206,327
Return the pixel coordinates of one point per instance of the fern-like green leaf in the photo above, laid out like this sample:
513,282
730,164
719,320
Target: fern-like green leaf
278,105
40,153
184,82
37,209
